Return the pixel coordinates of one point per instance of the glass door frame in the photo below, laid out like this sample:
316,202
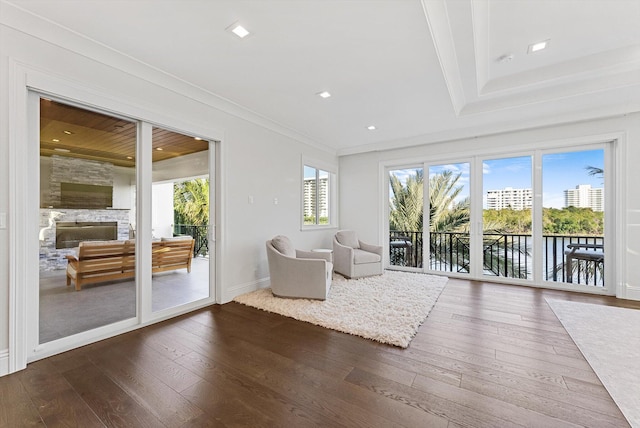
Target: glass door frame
473,219
24,314
476,159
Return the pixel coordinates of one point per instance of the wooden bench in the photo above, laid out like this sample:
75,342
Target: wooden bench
100,261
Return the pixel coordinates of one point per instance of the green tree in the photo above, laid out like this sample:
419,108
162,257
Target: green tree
191,202
407,203
449,219
445,214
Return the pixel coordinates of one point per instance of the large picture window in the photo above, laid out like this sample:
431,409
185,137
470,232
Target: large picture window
316,196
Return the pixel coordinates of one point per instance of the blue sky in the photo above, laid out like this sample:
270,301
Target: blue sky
560,171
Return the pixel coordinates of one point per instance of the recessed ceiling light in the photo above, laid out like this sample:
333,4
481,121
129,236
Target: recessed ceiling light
55,140
159,149
129,157
197,138
535,47
324,94
57,149
239,31
371,127
68,132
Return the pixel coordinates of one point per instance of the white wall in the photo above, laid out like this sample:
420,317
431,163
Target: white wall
259,160
124,181
360,181
162,210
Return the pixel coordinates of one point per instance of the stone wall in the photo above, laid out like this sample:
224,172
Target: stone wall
54,259
72,170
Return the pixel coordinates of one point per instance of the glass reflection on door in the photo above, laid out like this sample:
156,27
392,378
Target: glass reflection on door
181,249
87,220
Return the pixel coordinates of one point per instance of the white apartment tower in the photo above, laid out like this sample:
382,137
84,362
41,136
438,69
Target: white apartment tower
515,199
309,197
585,196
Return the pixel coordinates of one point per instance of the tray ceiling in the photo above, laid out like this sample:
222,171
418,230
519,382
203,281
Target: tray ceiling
420,71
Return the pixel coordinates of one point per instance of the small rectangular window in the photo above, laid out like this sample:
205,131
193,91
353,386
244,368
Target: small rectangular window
316,202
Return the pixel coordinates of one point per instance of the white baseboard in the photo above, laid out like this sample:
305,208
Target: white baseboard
632,293
4,362
247,287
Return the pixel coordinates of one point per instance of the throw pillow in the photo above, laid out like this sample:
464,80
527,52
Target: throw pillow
283,245
348,238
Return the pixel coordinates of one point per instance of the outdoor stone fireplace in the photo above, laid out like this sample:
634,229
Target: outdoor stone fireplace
77,225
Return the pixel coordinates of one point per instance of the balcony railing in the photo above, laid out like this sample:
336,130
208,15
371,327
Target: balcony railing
199,234
506,255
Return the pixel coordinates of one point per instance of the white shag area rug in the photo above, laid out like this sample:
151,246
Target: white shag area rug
387,308
609,339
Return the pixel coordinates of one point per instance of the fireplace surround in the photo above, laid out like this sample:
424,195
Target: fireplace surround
69,234
53,258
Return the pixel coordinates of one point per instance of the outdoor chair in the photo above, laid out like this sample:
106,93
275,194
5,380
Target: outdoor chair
297,273
585,252
354,258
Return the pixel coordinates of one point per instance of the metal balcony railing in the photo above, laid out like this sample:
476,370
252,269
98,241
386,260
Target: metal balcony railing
199,234
506,255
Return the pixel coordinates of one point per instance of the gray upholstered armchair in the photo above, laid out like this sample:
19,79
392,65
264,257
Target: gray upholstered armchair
296,273
354,258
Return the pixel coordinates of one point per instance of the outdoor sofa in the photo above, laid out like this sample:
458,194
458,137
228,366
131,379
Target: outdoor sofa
100,261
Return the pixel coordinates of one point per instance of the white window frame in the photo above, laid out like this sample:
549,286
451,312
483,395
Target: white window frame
613,143
332,196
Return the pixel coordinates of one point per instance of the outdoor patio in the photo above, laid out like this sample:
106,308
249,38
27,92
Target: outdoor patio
64,311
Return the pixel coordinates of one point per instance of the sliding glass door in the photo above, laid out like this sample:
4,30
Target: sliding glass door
573,202
110,255
87,262
507,237
406,208
449,225
534,218
180,247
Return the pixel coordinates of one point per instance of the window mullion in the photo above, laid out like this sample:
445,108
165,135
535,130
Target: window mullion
317,197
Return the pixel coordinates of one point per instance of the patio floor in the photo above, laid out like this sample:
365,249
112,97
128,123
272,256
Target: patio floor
64,311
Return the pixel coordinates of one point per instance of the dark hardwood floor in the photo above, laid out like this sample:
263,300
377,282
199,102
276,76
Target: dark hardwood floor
488,355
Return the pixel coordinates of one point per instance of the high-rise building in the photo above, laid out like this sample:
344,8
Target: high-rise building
585,196
515,199
310,200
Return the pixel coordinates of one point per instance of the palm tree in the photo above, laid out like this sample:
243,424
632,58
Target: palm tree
191,202
406,203
594,171
449,220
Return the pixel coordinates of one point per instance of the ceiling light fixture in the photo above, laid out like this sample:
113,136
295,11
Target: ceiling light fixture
58,149
197,138
55,140
536,47
129,157
159,149
323,94
239,30
371,127
68,132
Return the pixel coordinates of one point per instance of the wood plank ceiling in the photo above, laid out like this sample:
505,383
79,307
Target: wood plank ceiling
74,132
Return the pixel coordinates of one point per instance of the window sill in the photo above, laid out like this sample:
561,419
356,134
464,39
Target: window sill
317,227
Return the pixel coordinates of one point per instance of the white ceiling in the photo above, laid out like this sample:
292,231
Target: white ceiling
420,71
